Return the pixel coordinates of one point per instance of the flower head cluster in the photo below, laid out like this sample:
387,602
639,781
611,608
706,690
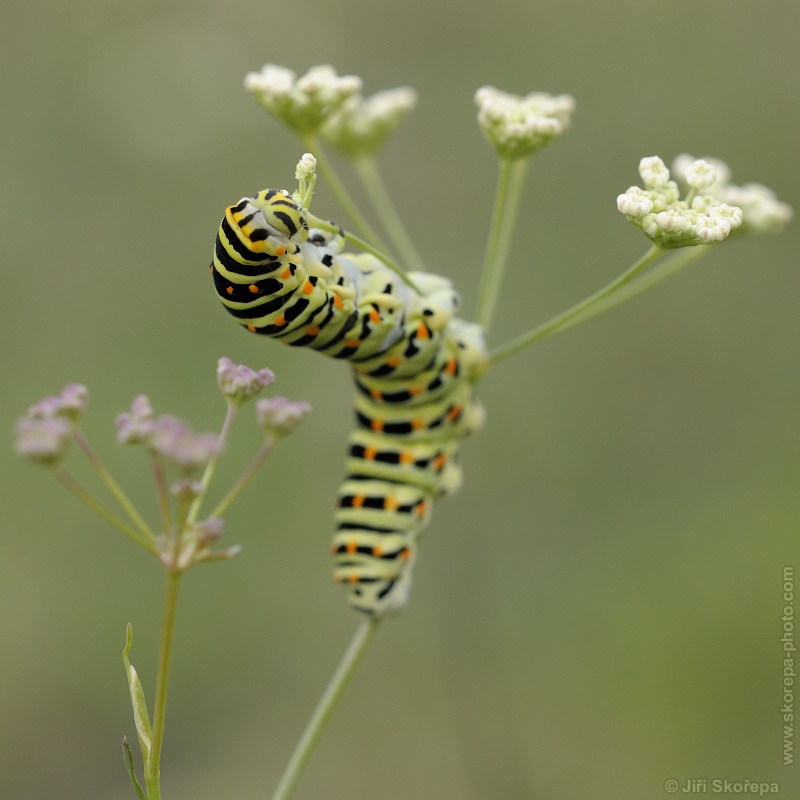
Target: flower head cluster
517,126
301,103
700,218
239,383
167,436
45,431
761,210
362,125
279,416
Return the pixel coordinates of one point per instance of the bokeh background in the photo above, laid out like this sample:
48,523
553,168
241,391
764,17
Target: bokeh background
599,610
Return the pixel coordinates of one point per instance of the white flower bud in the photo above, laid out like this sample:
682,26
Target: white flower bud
712,229
672,221
634,203
306,167
701,175
654,172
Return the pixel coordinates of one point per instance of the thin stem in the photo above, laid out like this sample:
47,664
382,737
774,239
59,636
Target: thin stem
677,261
113,486
367,170
208,474
243,480
161,492
327,703
86,497
312,144
510,180
152,769
570,316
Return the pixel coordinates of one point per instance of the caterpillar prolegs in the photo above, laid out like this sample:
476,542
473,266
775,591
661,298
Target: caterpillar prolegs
413,362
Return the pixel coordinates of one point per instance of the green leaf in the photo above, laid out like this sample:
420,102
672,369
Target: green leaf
141,717
128,756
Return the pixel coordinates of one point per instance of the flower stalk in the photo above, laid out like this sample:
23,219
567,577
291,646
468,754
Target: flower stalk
510,181
325,707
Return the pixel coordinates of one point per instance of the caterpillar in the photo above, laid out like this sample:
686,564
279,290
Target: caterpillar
413,363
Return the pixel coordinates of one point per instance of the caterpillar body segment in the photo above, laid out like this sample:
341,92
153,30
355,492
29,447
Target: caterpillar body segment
413,363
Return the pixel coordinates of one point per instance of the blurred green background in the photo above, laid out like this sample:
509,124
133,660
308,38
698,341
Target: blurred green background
599,610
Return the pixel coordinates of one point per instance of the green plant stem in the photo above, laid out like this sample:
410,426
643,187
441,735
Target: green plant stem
243,480
677,261
510,180
161,492
572,315
152,768
327,703
115,489
367,170
211,467
86,497
312,144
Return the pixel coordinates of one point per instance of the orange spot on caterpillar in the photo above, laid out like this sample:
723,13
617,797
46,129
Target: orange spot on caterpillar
253,288
404,554
358,501
353,579
352,547
229,290
280,321
439,461
313,331
352,343
286,274
376,424
422,331
394,361
406,457
454,413
451,367
308,287
280,250
337,301
422,507
417,424
377,551
375,394
370,453
414,390
251,328
375,316
390,503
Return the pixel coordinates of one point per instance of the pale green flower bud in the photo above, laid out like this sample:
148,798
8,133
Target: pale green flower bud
362,126
518,126
301,103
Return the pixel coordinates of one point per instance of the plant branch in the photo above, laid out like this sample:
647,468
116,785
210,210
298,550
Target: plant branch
327,703
367,169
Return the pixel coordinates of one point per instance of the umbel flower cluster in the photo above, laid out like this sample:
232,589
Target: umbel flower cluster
710,211
43,435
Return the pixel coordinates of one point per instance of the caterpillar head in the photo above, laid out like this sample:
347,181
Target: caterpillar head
281,214
269,222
